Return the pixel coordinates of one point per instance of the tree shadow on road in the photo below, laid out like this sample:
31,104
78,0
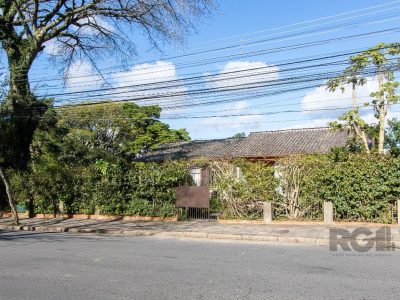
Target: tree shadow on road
6,235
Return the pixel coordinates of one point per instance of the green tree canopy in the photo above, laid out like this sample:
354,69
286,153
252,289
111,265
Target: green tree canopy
380,62
239,135
91,29
85,133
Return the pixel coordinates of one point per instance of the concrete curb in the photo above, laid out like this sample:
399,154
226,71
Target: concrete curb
270,239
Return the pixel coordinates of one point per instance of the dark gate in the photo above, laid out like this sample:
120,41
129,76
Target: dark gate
195,200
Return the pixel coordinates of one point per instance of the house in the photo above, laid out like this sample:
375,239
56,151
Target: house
187,150
271,145
264,145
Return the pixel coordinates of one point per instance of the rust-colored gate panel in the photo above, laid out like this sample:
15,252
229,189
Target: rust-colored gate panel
193,196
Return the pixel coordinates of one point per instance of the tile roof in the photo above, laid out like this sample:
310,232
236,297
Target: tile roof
289,142
263,144
220,148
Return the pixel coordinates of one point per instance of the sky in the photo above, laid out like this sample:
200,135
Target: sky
240,23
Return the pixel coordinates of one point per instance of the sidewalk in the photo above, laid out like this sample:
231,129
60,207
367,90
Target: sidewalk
280,233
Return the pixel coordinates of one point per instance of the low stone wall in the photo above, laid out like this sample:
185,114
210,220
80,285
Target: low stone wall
92,217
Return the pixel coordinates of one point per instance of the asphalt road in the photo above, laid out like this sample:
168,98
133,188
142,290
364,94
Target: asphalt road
66,266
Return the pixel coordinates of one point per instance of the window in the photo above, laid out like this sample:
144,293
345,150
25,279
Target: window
195,173
238,173
278,176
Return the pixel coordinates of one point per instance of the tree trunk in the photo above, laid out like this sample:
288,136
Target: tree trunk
381,140
31,210
360,131
23,113
365,141
20,56
10,200
22,107
382,115
354,96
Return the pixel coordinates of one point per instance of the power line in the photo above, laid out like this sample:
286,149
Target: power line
225,58
268,105
206,79
297,46
249,72
212,50
304,22
315,77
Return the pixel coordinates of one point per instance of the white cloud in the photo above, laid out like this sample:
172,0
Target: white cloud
323,122
320,100
94,21
148,83
52,47
81,77
228,126
370,118
320,104
160,71
241,105
236,73
144,84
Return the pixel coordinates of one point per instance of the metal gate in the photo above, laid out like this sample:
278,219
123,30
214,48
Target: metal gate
195,200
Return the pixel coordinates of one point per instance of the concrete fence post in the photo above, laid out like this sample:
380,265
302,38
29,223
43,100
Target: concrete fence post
61,208
267,212
398,211
328,212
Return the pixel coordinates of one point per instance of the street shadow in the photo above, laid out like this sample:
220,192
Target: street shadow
23,236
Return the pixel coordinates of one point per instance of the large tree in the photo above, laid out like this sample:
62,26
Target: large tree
75,137
351,119
89,28
379,62
91,132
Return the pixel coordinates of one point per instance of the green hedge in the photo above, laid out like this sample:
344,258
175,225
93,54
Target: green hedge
241,187
138,189
361,187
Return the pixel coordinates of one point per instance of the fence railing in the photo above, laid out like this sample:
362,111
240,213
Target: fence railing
326,211
306,212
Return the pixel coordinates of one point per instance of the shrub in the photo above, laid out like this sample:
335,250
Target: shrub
294,196
361,187
112,189
241,187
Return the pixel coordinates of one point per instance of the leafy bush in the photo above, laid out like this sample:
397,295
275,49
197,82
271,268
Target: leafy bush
294,196
137,189
241,187
361,187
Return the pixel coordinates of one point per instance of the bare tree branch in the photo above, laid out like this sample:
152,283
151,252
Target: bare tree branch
93,26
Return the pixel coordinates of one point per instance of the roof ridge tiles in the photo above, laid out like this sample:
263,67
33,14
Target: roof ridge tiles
292,129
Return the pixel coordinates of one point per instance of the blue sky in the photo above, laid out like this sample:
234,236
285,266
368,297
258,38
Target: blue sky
241,22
